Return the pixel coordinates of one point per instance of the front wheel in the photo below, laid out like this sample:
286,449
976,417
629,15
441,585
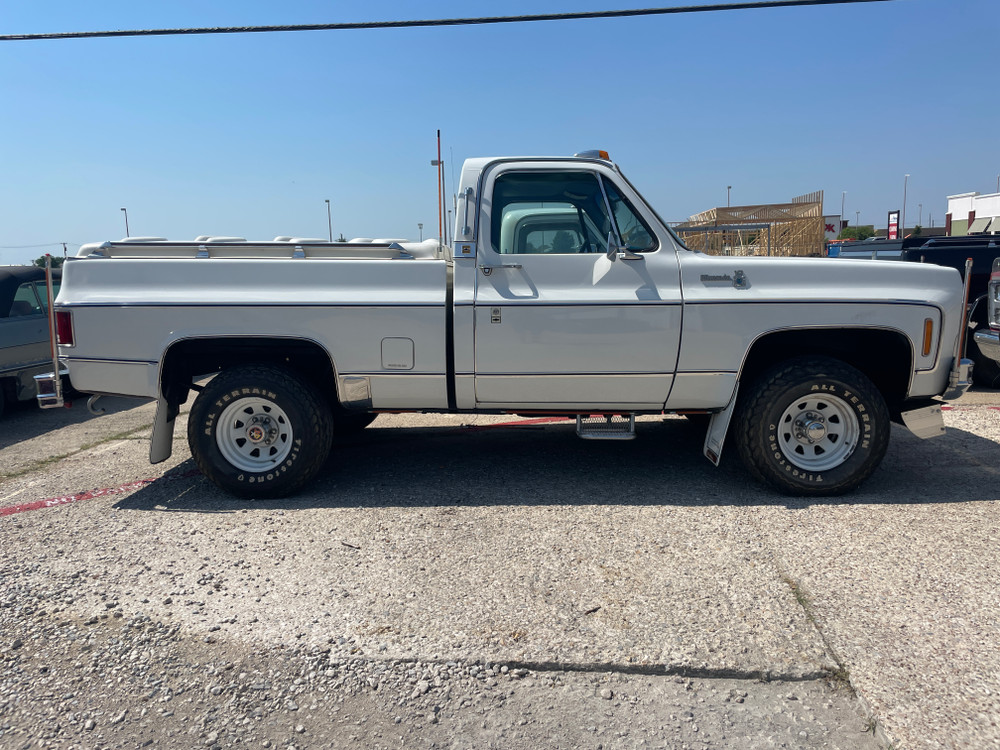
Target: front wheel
812,426
259,431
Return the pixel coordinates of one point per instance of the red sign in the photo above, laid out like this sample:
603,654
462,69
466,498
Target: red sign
893,232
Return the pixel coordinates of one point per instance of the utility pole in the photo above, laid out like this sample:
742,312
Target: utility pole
329,220
902,219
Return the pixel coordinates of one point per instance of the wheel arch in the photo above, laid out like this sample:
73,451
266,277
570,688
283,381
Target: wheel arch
884,355
188,358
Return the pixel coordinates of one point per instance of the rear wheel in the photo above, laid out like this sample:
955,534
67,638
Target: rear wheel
259,431
812,426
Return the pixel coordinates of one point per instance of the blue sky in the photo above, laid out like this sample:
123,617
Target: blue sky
248,135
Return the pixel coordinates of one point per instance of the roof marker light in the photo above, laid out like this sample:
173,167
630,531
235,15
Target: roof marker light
593,154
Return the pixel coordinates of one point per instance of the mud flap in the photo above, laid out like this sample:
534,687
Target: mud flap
718,426
925,423
162,442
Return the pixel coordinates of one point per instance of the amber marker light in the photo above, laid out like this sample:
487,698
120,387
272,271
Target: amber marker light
928,336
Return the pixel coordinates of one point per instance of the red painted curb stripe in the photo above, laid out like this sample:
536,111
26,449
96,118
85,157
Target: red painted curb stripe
540,420
90,494
67,499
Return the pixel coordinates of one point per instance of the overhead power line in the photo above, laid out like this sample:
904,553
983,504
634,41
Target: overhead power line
44,244
437,21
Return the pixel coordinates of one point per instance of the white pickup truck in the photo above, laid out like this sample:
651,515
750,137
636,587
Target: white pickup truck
563,293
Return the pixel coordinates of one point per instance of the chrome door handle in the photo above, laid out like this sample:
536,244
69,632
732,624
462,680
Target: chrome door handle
487,270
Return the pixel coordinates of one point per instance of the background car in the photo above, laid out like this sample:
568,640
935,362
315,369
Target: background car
24,331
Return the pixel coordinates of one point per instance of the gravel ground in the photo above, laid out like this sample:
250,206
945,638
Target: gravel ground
573,594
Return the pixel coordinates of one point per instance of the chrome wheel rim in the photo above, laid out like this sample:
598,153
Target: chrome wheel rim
254,434
818,433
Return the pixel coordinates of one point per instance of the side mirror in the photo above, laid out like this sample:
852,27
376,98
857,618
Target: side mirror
612,251
615,252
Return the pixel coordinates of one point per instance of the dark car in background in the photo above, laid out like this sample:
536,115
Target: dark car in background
984,249
24,331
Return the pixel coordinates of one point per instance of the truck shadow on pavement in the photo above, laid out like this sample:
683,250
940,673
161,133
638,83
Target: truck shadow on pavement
541,465
25,421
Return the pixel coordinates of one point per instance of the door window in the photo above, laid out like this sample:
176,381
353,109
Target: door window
549,212
25,302
43,296
562,213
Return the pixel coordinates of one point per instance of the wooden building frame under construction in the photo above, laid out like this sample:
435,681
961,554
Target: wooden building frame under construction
782,229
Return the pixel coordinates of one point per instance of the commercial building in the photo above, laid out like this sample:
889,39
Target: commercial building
972,213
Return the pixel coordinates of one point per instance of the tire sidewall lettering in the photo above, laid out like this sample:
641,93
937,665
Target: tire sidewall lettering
306,406
850,398
209,424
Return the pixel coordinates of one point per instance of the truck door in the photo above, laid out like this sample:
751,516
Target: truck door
559,325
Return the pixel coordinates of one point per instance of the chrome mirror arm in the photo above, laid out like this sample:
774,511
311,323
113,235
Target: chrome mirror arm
620,252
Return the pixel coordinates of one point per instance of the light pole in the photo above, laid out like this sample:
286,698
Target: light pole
728,188
843,195
920,214
126,222
857,219
420,227
902,228
329,220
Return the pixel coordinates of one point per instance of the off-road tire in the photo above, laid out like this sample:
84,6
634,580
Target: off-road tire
291,409
810,399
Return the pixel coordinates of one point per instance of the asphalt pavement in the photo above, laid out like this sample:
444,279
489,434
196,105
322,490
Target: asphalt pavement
467,540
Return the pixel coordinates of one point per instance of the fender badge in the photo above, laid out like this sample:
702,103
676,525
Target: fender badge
738,280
